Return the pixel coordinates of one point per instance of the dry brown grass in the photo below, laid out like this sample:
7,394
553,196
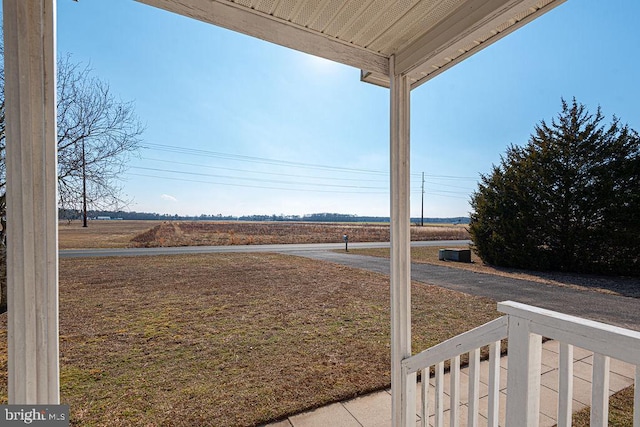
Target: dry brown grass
230,339
620,411
100,234
259,233
124,234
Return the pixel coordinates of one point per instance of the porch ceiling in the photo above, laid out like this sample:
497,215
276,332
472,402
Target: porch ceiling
426,36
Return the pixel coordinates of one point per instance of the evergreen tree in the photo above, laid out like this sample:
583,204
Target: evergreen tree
569,200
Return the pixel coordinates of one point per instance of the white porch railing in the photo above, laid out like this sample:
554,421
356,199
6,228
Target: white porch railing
524,326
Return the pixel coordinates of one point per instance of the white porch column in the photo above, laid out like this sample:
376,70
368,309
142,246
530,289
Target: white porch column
403,395
32,241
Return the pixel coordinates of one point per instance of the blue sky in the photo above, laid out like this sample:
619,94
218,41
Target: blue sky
236,126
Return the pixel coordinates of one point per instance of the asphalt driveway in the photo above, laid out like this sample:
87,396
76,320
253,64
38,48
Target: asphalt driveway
617,310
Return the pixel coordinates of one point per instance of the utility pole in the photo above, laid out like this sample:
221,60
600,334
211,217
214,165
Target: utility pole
422,205
84,187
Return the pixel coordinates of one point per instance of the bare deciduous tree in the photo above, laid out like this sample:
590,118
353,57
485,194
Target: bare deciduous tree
93,120
97,134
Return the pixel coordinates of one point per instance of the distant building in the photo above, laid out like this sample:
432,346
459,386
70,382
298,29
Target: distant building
103,218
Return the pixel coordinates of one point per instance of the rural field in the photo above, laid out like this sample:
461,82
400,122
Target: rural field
236,339
100,234
114,234
230,339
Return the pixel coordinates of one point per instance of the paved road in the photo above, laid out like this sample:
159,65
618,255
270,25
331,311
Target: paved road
85,253
616,310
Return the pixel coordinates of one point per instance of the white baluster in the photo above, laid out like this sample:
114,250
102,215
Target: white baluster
600,391
454,392
565,385
494,384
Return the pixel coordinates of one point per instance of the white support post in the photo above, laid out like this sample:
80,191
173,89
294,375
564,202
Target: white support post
32,240
523,380
403,398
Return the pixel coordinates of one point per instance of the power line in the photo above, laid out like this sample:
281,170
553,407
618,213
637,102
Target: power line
285,182
474,178
422,202
252,159
291,175
287,163
289,185
446,185
256,186
273,181
305,190
437,193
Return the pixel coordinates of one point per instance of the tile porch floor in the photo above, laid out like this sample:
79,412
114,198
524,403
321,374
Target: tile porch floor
374,410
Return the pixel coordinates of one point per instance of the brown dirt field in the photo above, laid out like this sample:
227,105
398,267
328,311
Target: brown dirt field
100,234
230,339
259,233
123,234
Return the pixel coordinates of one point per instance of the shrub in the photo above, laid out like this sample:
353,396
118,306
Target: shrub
568,200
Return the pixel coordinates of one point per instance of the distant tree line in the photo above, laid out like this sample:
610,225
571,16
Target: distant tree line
70,215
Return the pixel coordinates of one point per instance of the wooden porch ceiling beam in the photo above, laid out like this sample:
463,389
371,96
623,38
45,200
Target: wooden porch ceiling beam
468,19
469,23
271,29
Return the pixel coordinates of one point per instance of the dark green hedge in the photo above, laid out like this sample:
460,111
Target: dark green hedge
568,200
